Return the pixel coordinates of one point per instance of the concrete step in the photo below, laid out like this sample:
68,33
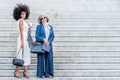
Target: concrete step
69,49
34,67
78,29
66,29
55,18
32,73
70,73
79,60
68,34
52,19
63,78
105,42
81,32
72,54
77,22
68,67
67,15
58,19
36,78
13,25
69,28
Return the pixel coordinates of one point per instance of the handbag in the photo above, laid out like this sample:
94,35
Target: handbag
36,47
18,62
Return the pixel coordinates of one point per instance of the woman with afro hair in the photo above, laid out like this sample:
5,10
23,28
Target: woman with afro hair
20,14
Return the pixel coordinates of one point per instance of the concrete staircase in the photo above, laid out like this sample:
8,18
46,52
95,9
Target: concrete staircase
87,38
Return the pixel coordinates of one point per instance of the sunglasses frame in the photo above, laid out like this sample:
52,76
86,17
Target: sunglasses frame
42,18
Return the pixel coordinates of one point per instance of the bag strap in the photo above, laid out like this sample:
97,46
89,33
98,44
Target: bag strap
30,40
22,52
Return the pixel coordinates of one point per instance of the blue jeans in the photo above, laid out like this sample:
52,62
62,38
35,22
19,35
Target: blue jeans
46,70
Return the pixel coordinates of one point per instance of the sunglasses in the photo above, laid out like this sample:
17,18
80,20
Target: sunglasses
43,18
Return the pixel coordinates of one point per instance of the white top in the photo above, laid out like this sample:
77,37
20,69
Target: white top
25,29
47,30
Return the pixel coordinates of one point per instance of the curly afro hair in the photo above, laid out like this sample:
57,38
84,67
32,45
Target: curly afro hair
21,8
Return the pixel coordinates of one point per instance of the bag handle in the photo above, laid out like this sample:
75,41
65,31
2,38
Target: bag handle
22,52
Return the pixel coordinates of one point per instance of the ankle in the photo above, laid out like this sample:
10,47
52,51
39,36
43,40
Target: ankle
16,70
25,70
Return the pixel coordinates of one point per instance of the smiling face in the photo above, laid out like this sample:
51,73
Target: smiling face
23,15
44,19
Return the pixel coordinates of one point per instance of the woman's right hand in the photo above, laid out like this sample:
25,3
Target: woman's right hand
22,45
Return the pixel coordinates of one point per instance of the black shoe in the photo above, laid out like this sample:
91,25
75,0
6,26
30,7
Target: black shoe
49,76
42,76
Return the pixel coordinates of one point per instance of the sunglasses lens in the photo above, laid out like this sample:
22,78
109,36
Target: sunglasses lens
43,18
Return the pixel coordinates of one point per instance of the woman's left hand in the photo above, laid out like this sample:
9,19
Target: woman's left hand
46,42
30,25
